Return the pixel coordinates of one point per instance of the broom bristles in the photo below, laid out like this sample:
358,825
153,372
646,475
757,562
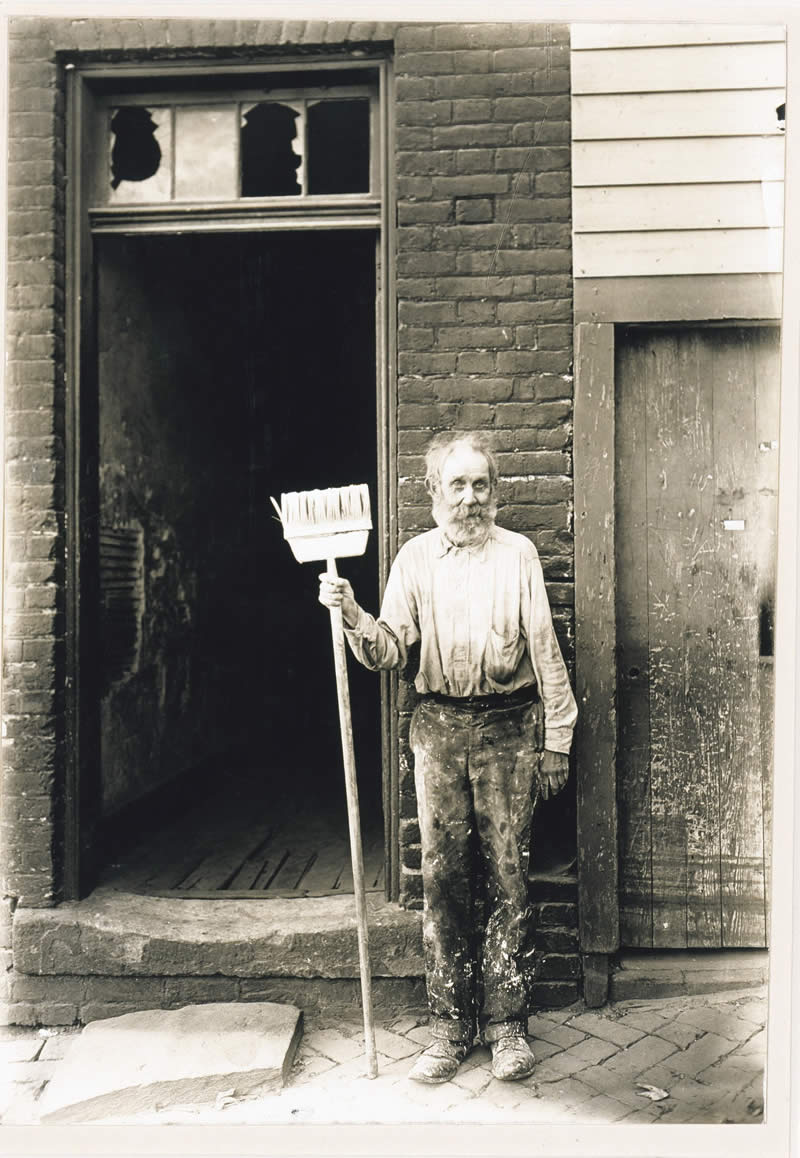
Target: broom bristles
330,511
329,524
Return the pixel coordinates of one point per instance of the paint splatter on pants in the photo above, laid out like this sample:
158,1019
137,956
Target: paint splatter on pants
477,785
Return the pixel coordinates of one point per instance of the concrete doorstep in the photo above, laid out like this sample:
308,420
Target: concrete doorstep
199,1054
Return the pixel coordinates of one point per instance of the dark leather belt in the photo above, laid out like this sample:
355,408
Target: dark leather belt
526,695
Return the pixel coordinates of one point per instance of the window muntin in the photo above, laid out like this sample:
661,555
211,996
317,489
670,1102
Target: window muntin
281,144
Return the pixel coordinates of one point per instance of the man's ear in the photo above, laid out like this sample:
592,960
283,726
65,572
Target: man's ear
432,487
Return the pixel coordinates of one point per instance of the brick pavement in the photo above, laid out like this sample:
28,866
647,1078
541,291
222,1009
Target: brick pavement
707,1052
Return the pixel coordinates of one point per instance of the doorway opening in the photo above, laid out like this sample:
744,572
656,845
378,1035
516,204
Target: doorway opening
232,367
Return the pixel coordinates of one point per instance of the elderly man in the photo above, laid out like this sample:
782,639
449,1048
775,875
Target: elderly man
465,615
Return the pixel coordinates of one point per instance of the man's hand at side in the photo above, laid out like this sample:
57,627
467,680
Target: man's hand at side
337,592
553,773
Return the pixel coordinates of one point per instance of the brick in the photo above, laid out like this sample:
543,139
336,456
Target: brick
191,990
476,287
477,391
699,1055
425,63
605,1108
549,132
533,209
440,162
467,236
471,137
474,210
606,1028
553,337
476,362
479,35
422,263
416,287
722,1021
471,185
393,1044
433,212
422,362
593,1050
427,312
424,112
478,337
476,416
642,1054
533,261
414,337
44,1013
473,311
413,137
413,88
472,111
552,184
520,59
680,1035
555,913
468,85
471,60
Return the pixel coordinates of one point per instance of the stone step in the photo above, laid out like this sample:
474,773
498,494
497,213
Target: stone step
647,974
193,1056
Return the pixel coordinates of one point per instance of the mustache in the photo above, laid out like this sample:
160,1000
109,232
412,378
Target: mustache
457,515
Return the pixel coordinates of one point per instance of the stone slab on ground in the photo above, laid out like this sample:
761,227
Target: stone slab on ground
677,973
189,1056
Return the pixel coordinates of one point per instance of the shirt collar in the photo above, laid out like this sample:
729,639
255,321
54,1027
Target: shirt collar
444,546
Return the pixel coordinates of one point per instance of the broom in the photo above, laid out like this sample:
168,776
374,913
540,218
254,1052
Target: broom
331,524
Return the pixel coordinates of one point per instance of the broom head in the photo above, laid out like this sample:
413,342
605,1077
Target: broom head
329,524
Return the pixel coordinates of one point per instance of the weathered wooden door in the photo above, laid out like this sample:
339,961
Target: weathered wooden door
696,498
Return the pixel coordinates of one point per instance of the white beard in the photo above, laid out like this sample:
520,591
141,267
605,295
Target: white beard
462,529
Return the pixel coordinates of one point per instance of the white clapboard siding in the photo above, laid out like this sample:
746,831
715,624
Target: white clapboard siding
677,153
677,161
725,112
671,69
703,251
739,205
636,34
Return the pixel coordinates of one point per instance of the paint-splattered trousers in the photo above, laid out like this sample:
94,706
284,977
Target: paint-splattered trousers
476,773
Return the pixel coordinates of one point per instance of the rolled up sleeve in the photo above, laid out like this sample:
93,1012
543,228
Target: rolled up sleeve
560,708
383,644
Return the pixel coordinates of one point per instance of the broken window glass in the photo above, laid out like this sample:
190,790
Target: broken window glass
205,153
141,138
272,150
338,146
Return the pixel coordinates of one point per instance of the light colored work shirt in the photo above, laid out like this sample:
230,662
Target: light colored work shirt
481,618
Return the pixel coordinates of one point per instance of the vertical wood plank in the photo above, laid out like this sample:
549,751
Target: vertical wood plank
743,909
595,637
682,682
633,699
768,389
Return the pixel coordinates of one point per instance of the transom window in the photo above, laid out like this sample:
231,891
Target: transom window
282,145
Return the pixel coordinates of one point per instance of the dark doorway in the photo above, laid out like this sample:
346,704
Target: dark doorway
232,367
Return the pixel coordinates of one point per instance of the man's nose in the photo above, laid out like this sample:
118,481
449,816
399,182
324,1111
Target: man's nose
469,494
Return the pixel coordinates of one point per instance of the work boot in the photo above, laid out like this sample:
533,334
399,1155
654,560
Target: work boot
512,1058
439,1061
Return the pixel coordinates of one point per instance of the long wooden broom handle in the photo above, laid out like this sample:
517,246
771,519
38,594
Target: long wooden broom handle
353,820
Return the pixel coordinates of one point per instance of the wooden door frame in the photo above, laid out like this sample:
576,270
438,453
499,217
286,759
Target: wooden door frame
595,602
82,776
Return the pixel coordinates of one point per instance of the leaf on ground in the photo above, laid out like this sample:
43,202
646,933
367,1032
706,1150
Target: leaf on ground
654,1093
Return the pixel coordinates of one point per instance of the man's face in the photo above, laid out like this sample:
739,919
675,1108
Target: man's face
463,503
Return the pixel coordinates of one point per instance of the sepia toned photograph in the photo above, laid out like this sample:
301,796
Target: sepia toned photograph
397,633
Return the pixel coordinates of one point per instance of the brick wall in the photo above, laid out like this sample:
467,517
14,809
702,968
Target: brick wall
484,290
484,332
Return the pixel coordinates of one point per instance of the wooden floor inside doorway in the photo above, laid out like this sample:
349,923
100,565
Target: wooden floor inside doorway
241,842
